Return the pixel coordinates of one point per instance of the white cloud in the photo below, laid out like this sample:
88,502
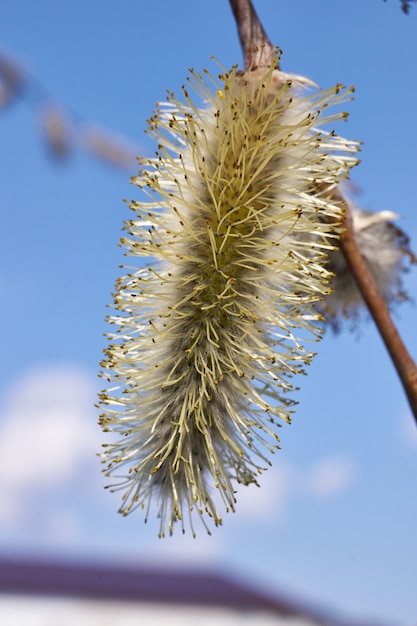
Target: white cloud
185,550
285,482
63,525
329,476
48,433
409,429
270,499
48,444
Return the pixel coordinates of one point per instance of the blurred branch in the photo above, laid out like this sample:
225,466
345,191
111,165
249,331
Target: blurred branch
107,147
56,130
11,81
62,131
406,5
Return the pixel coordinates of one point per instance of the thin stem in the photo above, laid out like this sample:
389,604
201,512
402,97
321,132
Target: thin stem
256,46
404,364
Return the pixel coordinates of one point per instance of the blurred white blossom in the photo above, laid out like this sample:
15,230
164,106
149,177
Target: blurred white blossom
386,250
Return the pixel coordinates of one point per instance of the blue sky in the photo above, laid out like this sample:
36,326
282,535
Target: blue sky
334,520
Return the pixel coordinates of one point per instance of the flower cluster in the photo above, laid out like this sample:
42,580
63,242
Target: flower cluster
212,315
386,250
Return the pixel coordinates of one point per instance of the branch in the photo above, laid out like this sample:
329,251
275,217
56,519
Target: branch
256,46
404,364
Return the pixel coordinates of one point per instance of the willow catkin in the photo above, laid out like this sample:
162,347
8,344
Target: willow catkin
223,283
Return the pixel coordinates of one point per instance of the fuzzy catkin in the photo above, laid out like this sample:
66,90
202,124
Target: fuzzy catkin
386,250
224,281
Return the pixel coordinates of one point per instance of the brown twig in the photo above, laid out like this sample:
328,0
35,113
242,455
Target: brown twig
404,364
256,46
